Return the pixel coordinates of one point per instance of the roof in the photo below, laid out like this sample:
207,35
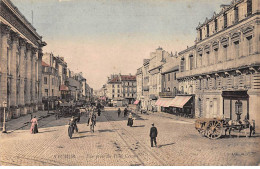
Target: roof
128,78
45,64
114,80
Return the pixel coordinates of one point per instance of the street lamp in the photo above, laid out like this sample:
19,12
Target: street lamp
4,125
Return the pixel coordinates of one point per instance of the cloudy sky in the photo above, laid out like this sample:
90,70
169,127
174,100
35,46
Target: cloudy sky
101,37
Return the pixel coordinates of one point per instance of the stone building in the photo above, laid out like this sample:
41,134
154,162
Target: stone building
121,87
157,59
20,62
222,68
139,85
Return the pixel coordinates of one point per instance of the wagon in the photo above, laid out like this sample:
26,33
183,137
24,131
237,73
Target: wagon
214,128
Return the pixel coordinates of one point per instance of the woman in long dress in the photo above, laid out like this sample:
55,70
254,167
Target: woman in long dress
34,126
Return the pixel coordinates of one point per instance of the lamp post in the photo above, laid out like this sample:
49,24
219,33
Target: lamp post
4,124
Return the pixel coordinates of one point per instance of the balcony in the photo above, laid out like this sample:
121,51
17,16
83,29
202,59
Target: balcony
221,67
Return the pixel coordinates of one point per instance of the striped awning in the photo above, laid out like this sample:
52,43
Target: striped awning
164,102
136,102
179,101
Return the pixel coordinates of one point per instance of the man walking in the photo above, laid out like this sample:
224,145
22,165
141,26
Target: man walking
153,135
119,112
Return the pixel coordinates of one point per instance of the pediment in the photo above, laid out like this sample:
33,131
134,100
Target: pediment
247,29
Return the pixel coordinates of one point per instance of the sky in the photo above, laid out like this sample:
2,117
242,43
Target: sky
102,37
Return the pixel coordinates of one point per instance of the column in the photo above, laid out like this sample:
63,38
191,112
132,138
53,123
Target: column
5,30
33,75
14,38
40,74
22,45
28,74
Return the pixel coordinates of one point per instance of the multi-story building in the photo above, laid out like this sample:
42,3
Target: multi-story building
139,85
20,62
145,99
222,68
128,83
121,87
157,59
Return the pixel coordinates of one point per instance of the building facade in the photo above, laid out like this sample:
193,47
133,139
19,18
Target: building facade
20,62
222,68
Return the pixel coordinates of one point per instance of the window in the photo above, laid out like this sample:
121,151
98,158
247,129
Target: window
45,80
225,52
236,15
113,91
216,25
52,91
118,86
200,34
118,95
249,45
46,92
182,65
113,86
113,96
249,7
174,75
216,55
225,20
207,30
236,46
52,81
207,62
169,77
118,91
191,62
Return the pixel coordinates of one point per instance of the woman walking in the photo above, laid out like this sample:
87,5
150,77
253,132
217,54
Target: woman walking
34,126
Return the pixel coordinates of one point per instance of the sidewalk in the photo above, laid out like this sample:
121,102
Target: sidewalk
23,121
167,115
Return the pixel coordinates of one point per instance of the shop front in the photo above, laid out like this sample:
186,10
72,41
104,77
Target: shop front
235,105
183,105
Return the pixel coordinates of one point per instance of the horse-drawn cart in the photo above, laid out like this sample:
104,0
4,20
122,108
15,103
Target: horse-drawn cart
214,128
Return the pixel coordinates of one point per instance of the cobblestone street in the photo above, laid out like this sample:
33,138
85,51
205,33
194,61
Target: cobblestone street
114,143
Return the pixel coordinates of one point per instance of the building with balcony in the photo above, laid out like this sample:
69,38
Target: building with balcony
222,68
20,66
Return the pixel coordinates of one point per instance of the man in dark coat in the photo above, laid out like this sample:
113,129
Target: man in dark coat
153,135
125,112
119,112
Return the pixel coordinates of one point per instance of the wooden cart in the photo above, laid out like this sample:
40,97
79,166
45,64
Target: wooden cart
214,128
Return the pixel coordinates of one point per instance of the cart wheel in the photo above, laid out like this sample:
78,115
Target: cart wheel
214,130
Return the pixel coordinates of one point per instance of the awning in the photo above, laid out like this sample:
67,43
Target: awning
63,88
164,102
136,102
179,101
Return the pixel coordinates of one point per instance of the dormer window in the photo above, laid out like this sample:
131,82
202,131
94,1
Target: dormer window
236,15
225,20
216,25
207,30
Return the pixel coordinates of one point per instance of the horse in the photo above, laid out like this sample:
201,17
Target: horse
241,126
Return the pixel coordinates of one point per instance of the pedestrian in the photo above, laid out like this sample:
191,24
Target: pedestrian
34,126
125,112
118,112
153,135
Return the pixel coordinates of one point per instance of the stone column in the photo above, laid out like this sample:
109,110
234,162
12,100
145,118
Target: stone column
5,30
22,45
28,87
40,74
14,38
33,75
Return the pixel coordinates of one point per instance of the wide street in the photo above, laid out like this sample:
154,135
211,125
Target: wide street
115,143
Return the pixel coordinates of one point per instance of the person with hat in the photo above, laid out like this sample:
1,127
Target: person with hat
153,135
